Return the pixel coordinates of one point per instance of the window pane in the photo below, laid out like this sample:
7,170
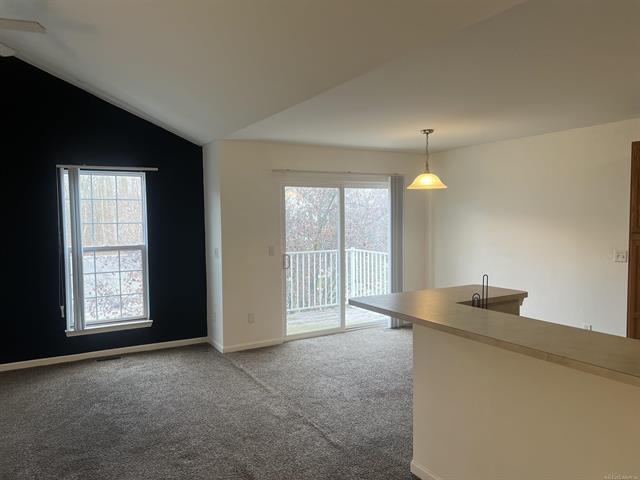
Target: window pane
104,211
107,262
105,235
131,282
85,186
88,262
87,235
130,234
107,284
89,286
86,210
129,211
90,310
104,186
109,308
132,306
130,260
130,187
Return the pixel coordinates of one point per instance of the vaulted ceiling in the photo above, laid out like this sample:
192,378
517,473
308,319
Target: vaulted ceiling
206,68
543,66
361,73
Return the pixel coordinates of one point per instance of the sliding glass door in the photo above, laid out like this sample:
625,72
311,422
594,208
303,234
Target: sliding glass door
336,243
312,239
367,217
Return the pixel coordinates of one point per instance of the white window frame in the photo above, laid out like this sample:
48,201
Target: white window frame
74,290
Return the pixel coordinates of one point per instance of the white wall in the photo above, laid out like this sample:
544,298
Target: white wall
250,211
542,214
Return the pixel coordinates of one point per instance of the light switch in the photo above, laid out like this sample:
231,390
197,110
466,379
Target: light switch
620,256
271,251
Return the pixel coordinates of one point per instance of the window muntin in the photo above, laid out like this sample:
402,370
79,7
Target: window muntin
108,234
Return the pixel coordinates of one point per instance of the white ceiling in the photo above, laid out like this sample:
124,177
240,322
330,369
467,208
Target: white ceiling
206,68
543,66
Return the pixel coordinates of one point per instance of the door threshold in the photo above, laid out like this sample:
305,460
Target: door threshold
319,333
362,326
333,331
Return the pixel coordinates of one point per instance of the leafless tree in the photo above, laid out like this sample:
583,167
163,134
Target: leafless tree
313,218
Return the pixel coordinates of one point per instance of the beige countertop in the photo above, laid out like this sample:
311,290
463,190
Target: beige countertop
606,355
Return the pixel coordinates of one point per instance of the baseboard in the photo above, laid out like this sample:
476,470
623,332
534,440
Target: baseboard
245,346
39,362
423,472
216,345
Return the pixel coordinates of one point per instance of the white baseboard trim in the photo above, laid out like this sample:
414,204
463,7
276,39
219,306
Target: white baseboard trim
218,346
39,362
423,472
245,346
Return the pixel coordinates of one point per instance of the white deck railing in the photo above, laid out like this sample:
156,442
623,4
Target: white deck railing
313,277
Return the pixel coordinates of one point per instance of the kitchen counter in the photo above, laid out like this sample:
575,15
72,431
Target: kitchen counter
448,310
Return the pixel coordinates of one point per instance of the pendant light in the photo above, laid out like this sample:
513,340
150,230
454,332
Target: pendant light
426,180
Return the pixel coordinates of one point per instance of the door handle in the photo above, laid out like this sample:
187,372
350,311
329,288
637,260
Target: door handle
286,261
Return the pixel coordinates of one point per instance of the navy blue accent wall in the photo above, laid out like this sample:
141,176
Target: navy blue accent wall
46,121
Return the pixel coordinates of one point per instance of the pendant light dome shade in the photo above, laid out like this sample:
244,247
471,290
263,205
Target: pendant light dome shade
426,180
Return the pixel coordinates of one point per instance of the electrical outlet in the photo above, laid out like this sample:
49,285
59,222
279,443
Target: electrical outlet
620,256
251,318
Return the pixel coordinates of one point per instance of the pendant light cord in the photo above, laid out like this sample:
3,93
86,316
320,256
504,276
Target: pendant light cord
426,161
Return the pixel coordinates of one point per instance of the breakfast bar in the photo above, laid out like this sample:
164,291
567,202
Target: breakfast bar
498,395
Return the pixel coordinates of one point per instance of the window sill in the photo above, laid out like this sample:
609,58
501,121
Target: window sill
110,327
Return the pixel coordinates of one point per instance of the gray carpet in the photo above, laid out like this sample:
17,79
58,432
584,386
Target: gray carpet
334,407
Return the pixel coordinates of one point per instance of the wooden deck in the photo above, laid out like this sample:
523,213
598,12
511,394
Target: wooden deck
327,318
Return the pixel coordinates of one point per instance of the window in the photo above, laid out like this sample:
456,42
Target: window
105,250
